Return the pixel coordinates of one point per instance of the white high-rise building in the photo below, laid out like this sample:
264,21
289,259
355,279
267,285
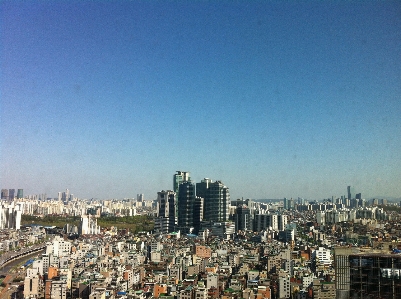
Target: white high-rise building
10,216
165,220
60,247
282,222
321,217
323,255
274,221
37,268
88,225
284,286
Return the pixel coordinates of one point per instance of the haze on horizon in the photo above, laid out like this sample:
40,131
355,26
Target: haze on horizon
275,99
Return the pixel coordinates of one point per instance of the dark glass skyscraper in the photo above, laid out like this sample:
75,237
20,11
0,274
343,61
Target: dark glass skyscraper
4,193
351,192
216,200
179,177
186,202
243,218
11,194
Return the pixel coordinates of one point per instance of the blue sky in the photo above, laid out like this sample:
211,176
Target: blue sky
275,98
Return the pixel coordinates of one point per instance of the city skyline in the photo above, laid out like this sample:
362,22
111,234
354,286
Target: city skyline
294,99
65,195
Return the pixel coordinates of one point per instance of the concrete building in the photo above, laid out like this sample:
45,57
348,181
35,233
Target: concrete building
185,203
166,218
323,256
367,274
32,286
216,200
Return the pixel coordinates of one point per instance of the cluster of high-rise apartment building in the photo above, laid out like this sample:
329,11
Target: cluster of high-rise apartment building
205,207
10,216
9,194
190,204
204,245
10,211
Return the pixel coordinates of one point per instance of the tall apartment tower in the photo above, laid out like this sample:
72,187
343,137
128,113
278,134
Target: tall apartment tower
20,193
140,197
243,218
285,204
186,202
166,219
198,213
350,192
282,222
65,195
4,193
179,177
11,194
216,200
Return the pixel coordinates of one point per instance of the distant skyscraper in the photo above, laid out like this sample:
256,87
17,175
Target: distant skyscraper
4,193
216,200
301,201
285,204
186,202
20,193
66,195
11,194
351,192
140,197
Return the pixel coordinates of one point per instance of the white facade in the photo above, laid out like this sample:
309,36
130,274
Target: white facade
212,280
88,225
274,221
61,247
284,287
58,290
10,216
323,255
283,220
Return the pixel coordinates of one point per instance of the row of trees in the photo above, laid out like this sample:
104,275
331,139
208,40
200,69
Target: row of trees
133,223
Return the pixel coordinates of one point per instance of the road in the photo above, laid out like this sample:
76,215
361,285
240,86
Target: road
4,270
5,257
7,270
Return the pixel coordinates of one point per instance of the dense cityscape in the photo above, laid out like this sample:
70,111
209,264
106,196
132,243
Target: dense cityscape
281,117
199,243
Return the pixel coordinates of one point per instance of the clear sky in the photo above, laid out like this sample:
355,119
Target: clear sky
274,98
